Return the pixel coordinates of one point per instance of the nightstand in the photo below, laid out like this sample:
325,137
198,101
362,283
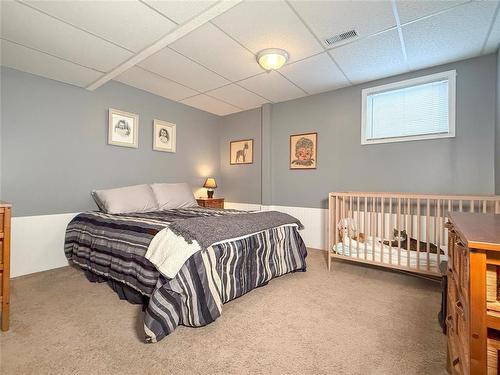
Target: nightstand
211,202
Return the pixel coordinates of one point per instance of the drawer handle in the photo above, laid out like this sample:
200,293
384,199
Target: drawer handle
456,361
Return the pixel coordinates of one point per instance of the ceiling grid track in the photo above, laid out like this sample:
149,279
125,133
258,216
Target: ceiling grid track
157,11
169,38
54,56
490,29
400,32
74,26
318,40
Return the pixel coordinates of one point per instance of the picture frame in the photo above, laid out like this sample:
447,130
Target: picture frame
304,151
123,128
164,136
241,152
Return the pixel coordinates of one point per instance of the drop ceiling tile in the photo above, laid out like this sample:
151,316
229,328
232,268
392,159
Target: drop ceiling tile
212,48
238,96
272,86
409,10
180,11
493,41
450,36
315,74
171,64
209,104
328,18
155,84
27,60
130,24
45,33
371,58
269,24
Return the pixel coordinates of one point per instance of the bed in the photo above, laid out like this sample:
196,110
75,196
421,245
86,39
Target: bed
121,249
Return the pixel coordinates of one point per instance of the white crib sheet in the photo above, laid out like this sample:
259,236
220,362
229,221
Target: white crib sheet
389,256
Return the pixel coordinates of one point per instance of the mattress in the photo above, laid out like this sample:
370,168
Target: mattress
390,256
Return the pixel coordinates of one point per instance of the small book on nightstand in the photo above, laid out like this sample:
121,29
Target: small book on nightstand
211,202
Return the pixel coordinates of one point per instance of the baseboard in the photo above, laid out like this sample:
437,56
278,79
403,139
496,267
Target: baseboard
38,241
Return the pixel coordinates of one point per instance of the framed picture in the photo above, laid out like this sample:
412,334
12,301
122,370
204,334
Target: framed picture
303,151
163,136
123,128
241,152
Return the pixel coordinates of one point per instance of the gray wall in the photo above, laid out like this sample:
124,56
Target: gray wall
464,164
241,183
54,146
497,131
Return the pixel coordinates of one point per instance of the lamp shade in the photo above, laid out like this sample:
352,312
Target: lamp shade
210,183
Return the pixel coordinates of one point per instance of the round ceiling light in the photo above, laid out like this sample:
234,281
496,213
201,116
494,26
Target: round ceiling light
272,58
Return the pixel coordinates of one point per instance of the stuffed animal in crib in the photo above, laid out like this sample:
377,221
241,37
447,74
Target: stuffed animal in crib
347,228
402,238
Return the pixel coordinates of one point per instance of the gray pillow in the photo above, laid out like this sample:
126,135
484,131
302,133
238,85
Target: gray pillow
137,198
170,196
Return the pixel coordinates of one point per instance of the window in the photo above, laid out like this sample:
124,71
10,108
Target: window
420,108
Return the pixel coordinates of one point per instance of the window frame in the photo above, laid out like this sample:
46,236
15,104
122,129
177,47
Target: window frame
450,75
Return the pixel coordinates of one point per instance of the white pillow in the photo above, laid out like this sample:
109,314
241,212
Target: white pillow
170,196
137,198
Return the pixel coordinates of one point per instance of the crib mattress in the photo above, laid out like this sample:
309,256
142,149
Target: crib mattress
387,256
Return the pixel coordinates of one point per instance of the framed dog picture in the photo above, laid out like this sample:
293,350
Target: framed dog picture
164,136
241,152
123,128
303,151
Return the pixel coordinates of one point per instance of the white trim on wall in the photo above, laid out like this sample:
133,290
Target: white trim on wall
38,241
315,220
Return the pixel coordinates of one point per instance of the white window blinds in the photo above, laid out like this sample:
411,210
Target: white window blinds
408,112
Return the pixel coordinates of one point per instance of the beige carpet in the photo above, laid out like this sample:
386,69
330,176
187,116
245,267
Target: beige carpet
353,320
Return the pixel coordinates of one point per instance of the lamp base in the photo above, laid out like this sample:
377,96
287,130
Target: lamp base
210,193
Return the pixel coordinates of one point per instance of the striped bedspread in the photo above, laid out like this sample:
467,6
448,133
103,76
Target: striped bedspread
114,246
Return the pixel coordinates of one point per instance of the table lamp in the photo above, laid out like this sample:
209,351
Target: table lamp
210,184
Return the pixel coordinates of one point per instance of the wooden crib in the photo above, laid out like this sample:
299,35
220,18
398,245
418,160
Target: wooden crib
397,230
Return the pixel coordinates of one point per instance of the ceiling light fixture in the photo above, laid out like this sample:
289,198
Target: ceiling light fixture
272,58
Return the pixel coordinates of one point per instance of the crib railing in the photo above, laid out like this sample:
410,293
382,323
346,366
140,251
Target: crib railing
397,230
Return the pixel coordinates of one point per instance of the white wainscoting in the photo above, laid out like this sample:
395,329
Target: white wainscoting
37,243
315,221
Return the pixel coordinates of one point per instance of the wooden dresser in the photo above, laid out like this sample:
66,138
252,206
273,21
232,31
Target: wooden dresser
211,202
473,316
5,214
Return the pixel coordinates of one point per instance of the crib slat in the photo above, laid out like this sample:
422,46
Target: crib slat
382,229
373,227
484,207
460,205
358,226
348,224
390,230
439,231
419,222
336,235
398,226
364,222
408,226
427,234
472,205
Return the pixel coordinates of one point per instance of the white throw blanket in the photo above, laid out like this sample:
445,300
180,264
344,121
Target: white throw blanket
169,251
